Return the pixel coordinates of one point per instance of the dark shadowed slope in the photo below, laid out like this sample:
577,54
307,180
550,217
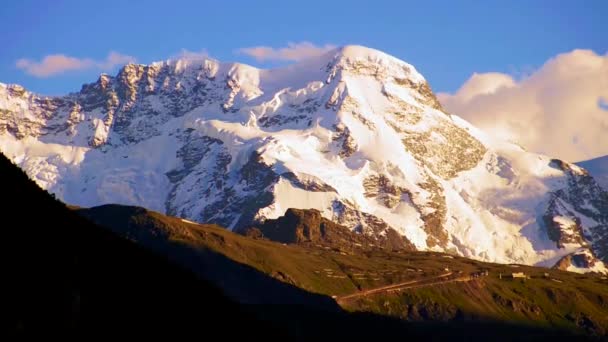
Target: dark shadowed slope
62,273
174,237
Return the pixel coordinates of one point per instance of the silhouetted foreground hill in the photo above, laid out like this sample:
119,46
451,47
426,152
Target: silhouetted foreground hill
65,274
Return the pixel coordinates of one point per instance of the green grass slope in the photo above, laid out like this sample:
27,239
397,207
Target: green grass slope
550,299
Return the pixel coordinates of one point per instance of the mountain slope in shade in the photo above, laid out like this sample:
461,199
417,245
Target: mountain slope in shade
598,168
67,276
64,275
355,134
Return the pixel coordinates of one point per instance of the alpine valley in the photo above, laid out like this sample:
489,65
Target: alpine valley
355,134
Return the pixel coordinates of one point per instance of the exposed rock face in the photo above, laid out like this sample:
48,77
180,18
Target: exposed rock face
583,259
563,229
581,199
309,227
355,134
446,160
308,182
381,188
598,168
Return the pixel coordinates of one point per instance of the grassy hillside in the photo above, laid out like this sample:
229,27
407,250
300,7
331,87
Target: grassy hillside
574,304
550,299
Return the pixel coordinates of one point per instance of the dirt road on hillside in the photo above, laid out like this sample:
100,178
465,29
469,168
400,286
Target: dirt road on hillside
441,279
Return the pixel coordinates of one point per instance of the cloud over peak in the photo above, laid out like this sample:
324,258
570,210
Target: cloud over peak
293,52
557,110
191,55
56,64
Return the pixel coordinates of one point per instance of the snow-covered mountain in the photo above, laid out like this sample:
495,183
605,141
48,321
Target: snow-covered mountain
598,168
355,134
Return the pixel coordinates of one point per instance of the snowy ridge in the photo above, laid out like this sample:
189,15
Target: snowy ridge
355,134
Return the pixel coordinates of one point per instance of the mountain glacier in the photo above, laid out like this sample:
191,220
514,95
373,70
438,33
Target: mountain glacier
355,133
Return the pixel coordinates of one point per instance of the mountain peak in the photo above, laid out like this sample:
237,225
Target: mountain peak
357,57
366,53
356,134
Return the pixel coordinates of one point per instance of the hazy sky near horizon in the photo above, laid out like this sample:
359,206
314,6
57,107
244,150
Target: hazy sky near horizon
535,72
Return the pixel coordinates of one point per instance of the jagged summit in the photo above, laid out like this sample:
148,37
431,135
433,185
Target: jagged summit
347,52
352,58
356,134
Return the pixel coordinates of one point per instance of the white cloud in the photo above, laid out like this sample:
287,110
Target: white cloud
58,64
293,52
115,59
191,55
557,110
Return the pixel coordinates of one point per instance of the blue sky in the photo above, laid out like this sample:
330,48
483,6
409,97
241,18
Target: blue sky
447,41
